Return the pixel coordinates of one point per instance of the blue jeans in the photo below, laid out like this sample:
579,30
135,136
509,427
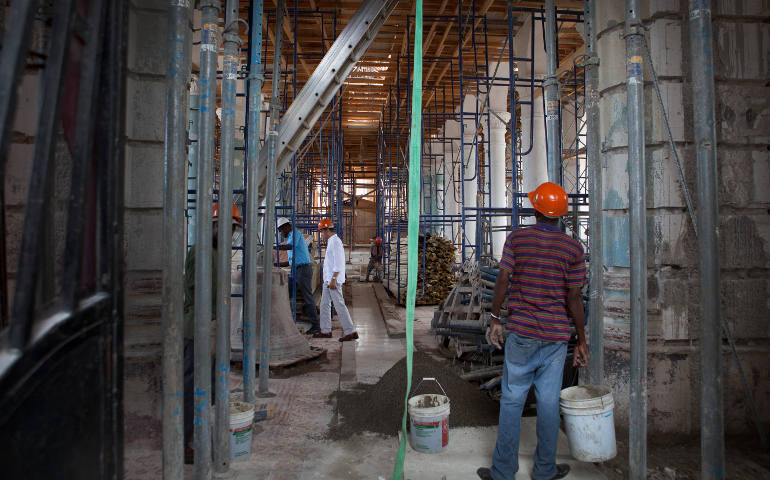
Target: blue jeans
529,361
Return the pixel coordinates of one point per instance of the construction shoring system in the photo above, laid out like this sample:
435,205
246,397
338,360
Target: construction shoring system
315,172
390,176
327,167
447,156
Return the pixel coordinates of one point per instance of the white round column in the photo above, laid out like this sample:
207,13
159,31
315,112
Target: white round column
498,121
534,165
470,182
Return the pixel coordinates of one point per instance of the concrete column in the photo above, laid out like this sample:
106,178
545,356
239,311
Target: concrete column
470,180
535,163
534,160
452,174
672,300
450,206
437,149
497,125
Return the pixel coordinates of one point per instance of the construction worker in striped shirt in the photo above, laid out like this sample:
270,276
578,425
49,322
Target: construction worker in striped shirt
538,289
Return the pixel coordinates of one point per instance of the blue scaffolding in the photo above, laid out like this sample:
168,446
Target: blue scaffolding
448,159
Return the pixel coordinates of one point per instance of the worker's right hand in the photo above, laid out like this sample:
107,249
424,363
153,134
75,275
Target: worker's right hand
580,355
496,334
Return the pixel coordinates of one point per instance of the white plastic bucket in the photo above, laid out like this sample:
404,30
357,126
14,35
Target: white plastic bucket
428,422
589,421
241,425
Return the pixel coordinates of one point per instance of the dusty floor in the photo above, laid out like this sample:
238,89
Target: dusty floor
679,459
294,443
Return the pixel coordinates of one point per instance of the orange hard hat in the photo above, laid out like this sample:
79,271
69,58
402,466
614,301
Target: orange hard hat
378,239
549,199
325,223
236,217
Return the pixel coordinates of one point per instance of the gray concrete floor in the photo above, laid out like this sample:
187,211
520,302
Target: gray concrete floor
292,445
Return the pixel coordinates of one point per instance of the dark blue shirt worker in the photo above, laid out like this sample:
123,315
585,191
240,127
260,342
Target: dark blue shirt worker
303,270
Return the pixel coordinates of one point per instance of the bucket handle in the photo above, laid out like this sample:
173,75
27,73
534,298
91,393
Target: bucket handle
414,392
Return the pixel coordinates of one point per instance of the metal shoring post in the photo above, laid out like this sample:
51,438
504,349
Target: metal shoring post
269,224
638,242
252,206
711,405
487,112
551,84
230,67
462,129
203,204
513,120
192,156
594,160
175,193
293,187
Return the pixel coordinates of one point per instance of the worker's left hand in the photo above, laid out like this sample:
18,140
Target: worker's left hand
333,284
496,334
580,354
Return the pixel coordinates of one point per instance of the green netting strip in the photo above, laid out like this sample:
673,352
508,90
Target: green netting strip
415,144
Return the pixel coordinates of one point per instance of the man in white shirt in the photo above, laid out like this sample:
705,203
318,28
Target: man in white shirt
334,278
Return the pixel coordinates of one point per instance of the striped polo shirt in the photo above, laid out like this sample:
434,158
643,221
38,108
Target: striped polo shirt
543,263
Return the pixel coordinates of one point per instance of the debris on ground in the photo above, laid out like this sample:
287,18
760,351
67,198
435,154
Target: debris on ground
379,408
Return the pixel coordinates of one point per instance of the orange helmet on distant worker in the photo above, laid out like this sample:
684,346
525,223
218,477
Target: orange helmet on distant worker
549,199
325,223
236,217
378,240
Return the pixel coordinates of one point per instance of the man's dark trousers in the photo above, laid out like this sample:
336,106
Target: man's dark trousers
304,275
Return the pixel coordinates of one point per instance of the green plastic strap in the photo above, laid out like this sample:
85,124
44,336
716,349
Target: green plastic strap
415,144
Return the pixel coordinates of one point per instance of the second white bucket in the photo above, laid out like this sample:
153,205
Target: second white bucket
429,422
241,425
589,422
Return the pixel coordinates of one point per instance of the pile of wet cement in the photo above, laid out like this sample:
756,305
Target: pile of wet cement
378,408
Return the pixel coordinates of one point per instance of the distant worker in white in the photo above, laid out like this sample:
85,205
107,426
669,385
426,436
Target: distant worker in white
334,278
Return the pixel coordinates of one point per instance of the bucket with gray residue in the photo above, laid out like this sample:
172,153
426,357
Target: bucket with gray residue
589,422
429,421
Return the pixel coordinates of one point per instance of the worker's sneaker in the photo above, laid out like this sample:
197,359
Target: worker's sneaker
562,470
322,335
349,336
313,331
484,473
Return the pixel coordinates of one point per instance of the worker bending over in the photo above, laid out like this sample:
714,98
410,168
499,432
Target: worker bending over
375,258
297,251
334,278
541,273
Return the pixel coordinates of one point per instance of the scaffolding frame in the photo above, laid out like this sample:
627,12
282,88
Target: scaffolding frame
446,156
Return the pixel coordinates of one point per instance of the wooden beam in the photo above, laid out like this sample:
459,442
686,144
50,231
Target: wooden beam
290,35
567,63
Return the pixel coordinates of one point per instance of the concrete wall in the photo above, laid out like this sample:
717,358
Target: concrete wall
366,221
741,54
18,172
144,172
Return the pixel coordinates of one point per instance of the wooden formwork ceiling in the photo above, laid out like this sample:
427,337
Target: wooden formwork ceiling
365,92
